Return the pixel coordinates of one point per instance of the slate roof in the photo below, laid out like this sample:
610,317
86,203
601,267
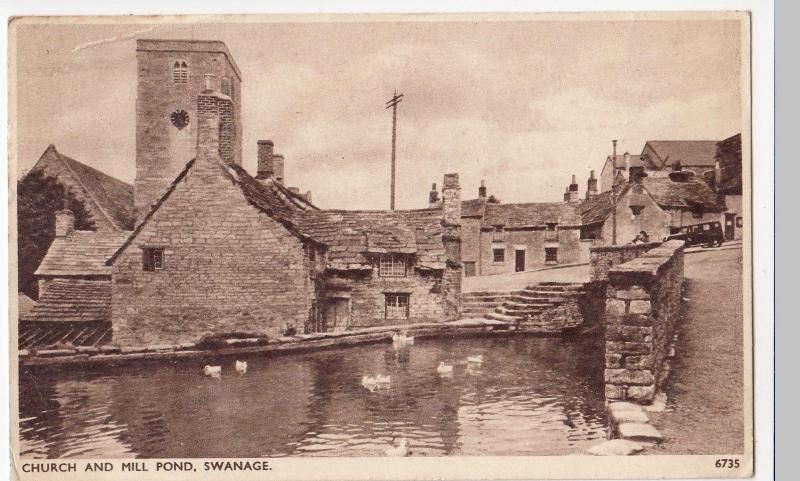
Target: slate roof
42,334
688,152
596,208
112,196
81,253
73,300
537,214
352,236
683,195
473,207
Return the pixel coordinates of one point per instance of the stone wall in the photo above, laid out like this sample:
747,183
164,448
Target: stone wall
602,258
227,267
643,300
430,295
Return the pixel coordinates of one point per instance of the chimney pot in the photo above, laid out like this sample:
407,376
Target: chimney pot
433,196
277,165
482,190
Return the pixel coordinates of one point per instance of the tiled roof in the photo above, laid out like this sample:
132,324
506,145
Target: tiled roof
683,195
531,214
596,208
687,152
114,197
352,236
24,304
73,300
81,253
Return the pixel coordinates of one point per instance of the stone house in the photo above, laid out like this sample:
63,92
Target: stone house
223,252
693,155
650,204
499,238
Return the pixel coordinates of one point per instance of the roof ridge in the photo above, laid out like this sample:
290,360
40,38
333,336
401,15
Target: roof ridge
85,188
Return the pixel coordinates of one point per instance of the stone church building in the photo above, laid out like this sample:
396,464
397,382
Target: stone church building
216,250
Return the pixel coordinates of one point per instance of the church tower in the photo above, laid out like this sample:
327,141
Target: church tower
170,76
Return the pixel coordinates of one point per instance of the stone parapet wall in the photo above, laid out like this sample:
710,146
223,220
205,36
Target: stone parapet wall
643,299
603,258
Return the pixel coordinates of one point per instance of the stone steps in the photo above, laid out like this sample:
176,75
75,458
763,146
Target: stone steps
520,306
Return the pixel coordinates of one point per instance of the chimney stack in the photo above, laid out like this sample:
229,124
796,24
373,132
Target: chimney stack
277,165
591,185
266,169
451,199
65,223
215,127
209,83
433,196
482,190
572,194
614,142
717,176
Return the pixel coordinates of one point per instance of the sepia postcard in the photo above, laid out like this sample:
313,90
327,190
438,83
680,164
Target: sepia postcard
381,246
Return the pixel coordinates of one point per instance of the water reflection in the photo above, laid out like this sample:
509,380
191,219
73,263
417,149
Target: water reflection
529,397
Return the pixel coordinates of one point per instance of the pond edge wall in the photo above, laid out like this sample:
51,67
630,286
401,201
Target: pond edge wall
642,306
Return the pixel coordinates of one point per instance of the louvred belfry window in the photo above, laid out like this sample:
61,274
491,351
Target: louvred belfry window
180,73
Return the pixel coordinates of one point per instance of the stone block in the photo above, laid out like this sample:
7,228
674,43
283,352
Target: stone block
615,308
626,412
631,293
640,307
613,361
639,432
639,362
616,447
614,392
629,376
643,393
638,320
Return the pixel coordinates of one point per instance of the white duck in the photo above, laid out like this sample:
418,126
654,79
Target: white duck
369,382
383,381
241,367
402,339
401,450
477,359
444,369
213,371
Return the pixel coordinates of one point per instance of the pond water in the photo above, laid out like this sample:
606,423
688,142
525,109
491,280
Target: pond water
530,396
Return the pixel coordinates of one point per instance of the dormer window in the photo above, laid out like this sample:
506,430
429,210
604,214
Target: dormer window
180,73
392,266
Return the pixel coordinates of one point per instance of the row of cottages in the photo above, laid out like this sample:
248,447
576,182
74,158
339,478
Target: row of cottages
718,164
499,238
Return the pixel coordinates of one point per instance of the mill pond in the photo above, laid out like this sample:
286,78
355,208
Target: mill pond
529,396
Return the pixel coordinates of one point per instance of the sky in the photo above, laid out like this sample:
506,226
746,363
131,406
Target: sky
522,105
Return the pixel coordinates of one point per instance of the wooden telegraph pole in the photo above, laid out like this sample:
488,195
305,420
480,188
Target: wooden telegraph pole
396,99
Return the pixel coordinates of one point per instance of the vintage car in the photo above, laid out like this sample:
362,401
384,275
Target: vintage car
707,234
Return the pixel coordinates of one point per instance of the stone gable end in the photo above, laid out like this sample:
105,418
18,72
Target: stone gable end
227,267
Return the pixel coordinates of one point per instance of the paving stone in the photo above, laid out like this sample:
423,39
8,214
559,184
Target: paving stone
616,447
622,412
639,432
659,403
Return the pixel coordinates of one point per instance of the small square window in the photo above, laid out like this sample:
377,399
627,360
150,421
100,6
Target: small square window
153,258
499,255
469,269
551,226
697,212
637,209
551,254
397,306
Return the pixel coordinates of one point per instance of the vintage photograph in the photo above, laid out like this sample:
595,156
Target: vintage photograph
381,236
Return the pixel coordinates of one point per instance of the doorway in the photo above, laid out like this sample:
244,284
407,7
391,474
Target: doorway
730,231
336,316
519,260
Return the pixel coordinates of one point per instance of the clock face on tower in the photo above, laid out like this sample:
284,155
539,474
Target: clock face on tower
180,119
